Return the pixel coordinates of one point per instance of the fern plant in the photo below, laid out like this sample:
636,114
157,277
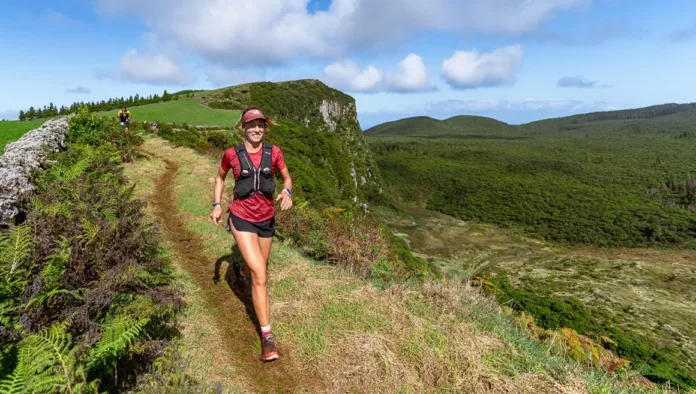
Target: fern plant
52,274
48,364
119,334
16,250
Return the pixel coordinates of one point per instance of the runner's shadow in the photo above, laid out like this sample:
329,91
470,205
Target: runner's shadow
236,258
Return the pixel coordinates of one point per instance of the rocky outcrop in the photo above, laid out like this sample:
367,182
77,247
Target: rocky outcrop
23,156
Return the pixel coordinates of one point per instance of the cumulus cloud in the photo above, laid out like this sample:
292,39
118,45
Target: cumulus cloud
471,69
273,32
410,76
79,90
346,75
154,69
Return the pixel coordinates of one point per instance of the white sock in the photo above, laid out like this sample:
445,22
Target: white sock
266,329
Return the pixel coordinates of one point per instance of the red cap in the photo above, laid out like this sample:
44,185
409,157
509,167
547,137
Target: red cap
251,115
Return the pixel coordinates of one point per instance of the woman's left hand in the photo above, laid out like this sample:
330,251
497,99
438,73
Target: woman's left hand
285,201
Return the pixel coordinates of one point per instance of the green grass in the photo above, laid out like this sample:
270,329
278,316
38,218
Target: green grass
13,130
180,112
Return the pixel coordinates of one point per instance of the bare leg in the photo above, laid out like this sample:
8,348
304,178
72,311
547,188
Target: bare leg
265,244
251,251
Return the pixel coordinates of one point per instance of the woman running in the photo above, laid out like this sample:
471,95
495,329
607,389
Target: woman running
252,214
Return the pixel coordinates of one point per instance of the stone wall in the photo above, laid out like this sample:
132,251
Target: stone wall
23,156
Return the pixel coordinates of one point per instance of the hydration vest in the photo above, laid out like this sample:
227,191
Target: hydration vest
254,180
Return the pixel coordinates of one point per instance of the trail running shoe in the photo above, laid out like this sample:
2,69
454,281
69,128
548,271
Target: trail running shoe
270,352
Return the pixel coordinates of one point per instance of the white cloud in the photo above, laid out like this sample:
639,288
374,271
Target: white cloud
471,69
154,69
346,75
79,90
410,76
273,32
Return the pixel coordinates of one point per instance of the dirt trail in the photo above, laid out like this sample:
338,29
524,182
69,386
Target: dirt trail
233,314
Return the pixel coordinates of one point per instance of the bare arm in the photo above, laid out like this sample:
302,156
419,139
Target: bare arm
217,195
286,200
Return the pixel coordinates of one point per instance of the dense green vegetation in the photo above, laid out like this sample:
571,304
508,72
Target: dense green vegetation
180,112
625,179
84,299
11,131
296,101
616,189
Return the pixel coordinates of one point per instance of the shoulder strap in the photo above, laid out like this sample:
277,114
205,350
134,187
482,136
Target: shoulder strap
240,148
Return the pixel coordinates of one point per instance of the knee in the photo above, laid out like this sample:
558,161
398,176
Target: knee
259,277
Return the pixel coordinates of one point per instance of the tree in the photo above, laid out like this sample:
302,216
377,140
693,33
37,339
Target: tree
22,116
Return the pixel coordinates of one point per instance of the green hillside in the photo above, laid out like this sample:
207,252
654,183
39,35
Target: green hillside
606,180
307,107
11,131
659,119
180,112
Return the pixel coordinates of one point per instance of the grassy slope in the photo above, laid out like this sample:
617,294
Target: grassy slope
351,335
180,112
14,130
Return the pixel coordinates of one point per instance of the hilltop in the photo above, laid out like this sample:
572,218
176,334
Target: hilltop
651,120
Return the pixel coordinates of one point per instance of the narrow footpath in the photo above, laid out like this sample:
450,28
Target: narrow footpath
234,314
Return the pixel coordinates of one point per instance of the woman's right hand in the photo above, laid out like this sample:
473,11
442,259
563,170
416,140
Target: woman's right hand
215,215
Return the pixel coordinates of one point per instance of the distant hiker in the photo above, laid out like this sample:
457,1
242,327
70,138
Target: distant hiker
252,213
153,125
124,115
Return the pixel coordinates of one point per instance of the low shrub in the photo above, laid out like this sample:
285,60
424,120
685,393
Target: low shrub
85,303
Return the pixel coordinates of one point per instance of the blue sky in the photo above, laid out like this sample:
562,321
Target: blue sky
514,60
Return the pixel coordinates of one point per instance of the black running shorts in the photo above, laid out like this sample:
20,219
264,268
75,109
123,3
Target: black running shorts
265,229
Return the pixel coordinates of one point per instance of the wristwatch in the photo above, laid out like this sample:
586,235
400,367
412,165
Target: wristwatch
288,191
217,203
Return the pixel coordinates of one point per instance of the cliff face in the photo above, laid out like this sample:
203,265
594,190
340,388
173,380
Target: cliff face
314,107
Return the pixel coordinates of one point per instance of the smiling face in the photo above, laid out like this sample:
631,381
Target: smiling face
254,130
